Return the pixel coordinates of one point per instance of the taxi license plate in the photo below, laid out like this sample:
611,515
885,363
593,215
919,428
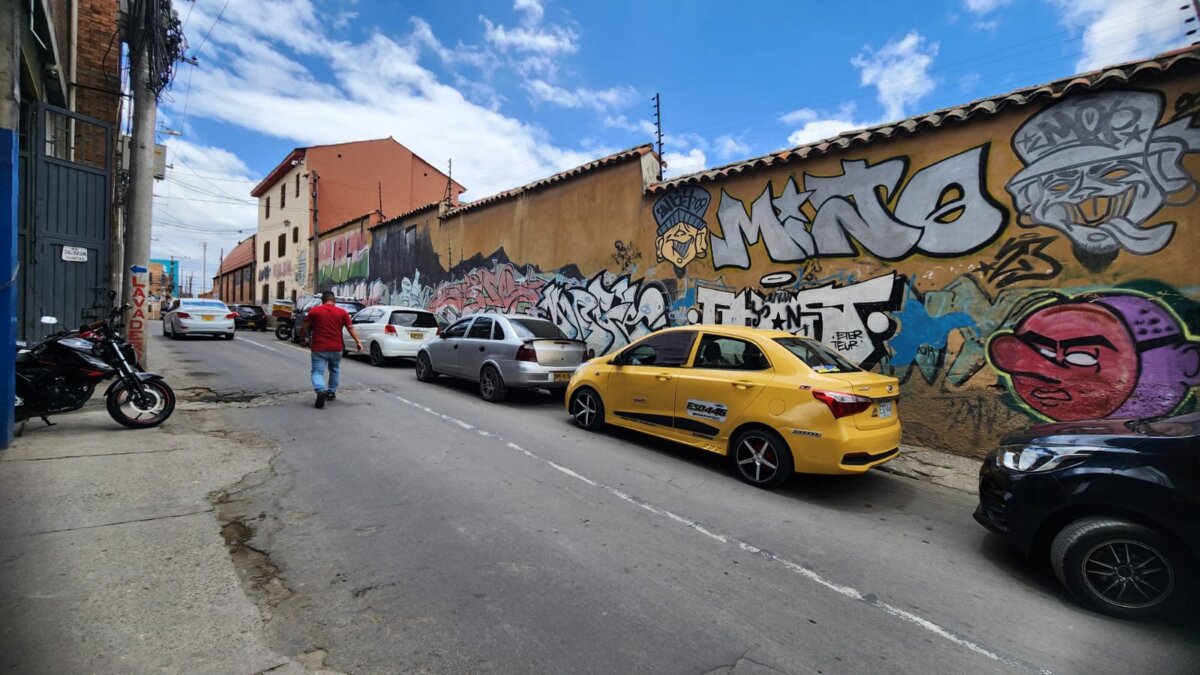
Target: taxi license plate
562,377
207,318
416,336
885,409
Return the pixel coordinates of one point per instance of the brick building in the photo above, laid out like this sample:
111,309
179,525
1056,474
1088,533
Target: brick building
234,282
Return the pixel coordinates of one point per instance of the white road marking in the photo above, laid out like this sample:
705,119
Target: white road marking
252,342
847,591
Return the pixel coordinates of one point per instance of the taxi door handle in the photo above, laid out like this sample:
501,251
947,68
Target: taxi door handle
663,377
742,384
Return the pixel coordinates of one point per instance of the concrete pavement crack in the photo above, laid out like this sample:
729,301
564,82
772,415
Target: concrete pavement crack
99,454
121,522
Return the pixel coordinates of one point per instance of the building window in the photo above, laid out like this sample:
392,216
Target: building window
282,245
268,208
279,289
282,196
266,293
297,185
293,296
266,251
295,234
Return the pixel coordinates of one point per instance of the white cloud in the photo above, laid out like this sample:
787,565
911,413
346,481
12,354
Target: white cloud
532,35
681,163
205,198
532,9
982,7
989,25
600,100
1116,31
816,126
728,147
643,126
899,71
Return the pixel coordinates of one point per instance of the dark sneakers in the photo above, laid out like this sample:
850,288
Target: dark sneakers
321,396
331,395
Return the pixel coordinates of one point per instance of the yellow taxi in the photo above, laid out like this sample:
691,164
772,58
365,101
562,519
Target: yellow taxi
774,403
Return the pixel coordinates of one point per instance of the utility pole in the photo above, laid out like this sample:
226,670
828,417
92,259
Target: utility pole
203,265
658,125
139,208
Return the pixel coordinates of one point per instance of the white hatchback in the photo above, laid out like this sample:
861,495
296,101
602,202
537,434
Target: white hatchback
194,316
390,331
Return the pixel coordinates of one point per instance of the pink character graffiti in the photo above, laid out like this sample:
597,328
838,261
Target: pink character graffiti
484,290
1114,356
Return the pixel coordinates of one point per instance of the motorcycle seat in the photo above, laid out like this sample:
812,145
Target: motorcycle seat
25,356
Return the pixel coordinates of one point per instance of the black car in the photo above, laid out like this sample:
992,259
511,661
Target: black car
249,316
351,306
1114,503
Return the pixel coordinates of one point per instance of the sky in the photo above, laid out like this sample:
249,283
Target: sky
515,90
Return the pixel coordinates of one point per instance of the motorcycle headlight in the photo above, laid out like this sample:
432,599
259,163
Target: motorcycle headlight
1038,458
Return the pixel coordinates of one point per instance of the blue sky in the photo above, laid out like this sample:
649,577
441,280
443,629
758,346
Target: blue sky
514,91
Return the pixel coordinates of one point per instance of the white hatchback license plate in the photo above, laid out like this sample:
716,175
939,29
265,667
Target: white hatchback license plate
562,377
885,409
416,336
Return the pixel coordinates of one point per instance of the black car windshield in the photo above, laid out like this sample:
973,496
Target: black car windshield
817,356
536,328
351,307
1180,425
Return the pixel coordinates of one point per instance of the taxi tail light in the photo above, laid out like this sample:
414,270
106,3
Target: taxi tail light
183,315
390,329
842,404
231,315
526,353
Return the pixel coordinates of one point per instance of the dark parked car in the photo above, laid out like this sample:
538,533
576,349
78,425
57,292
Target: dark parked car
1114,503
307,302
249,316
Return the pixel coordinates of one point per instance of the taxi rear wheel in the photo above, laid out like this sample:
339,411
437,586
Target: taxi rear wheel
761,458
587,409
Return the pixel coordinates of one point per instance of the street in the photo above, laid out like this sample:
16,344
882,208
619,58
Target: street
415,528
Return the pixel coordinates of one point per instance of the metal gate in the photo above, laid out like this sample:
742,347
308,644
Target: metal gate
65,218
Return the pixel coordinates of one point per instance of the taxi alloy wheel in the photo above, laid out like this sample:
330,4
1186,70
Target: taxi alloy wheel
377,357
587,410
762,458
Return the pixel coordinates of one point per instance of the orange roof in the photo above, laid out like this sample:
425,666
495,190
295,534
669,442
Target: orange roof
240,256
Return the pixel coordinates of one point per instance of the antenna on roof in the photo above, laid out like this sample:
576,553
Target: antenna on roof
449,179
658,124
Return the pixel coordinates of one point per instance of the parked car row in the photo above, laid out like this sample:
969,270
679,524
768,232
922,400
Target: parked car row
1112,505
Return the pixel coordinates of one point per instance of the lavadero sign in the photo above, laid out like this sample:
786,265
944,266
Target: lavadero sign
136,326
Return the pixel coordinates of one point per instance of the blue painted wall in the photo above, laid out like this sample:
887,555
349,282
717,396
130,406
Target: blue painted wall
8,288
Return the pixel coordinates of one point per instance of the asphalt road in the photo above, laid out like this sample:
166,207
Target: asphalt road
419,528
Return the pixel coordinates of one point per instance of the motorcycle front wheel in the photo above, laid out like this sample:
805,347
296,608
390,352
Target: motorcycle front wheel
283,332
125,409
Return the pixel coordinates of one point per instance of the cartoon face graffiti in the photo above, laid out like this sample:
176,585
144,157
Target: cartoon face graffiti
682,231
1097,168
1114,356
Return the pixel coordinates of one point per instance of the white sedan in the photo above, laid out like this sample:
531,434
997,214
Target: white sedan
390,331
193,316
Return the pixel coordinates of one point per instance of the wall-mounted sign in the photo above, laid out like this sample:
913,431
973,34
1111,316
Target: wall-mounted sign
74,254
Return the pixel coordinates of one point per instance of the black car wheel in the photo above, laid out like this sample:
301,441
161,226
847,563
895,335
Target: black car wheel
761,458
424,369
1117,567
491,385
587,410
377,357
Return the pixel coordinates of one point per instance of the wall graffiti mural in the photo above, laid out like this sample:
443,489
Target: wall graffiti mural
501,289
607,311
852,318
343,258
1108,355
1022,258
1097,168
682,230
943,210
625,254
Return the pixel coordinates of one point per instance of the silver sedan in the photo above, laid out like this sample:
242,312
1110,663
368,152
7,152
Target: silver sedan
502,352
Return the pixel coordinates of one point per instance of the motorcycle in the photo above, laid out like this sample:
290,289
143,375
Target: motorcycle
60,374
283,330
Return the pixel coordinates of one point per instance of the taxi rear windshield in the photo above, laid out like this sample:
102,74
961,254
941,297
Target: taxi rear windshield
817,356
414,320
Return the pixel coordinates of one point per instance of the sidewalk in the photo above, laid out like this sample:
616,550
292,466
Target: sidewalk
112,559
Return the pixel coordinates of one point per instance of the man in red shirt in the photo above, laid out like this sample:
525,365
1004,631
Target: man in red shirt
325,323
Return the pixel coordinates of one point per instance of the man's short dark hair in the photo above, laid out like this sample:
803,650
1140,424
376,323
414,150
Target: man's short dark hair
328,296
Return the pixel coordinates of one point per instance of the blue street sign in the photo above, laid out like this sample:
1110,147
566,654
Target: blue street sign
138,269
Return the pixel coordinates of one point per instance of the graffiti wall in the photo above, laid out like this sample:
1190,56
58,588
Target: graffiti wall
1028,265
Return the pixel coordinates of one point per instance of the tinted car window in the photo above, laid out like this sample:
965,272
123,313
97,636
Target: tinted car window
665,349
367,316
414,319
730,354
251,310
351,307
457,330
536,328
481,329
817,356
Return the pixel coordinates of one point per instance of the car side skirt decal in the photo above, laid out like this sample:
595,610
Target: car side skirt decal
681,423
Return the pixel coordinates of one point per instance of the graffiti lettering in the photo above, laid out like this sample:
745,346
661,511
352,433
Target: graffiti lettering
1022,258
343,258
607,312
502,289
625,254
855,315
943,210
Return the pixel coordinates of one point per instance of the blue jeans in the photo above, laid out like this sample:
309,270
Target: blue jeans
319,361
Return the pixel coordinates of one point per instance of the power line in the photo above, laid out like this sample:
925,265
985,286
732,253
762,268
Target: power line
204,40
